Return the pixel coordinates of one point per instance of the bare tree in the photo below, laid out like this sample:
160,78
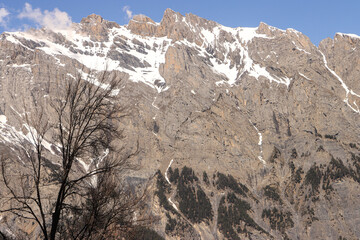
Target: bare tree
107,212
69,202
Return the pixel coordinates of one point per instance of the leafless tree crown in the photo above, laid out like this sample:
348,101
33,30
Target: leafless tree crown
70,202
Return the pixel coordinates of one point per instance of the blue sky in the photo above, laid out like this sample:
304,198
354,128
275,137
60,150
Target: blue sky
317,19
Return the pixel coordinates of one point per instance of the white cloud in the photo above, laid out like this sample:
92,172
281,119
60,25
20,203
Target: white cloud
3,14
128,12
55,19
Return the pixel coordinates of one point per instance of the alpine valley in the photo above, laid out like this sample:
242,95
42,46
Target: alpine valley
243,133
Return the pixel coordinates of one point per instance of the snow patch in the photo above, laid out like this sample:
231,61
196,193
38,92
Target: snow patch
248,34
9,134
209,36
97,161
244,34
260,157
93,80
219,83
12,39
166,176
153,103
93,54
3,119
84,165
304,76
225,70
300,49
32,135
230,70
27,67
348,34
173,204
167,179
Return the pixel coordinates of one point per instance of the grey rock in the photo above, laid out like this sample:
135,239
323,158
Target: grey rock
210,120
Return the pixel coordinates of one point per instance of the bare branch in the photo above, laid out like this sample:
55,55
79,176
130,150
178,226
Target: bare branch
73,203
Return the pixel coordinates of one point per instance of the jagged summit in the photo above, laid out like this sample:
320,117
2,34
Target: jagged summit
94,18
142,18
99,44
96,27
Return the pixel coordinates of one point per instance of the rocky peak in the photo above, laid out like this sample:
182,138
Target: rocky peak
268,30
96,27
142,25
344,58
92,19
173,25
297,38
351,39
170,17
300,40
143,19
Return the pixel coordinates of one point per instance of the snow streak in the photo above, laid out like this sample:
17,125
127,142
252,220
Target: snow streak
260,157
167,179
348,91
166,176
9,134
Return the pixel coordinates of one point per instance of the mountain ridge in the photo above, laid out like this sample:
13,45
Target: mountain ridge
261,109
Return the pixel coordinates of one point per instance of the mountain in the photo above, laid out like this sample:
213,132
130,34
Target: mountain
246,133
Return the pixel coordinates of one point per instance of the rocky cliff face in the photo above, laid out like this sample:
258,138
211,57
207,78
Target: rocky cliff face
260,127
